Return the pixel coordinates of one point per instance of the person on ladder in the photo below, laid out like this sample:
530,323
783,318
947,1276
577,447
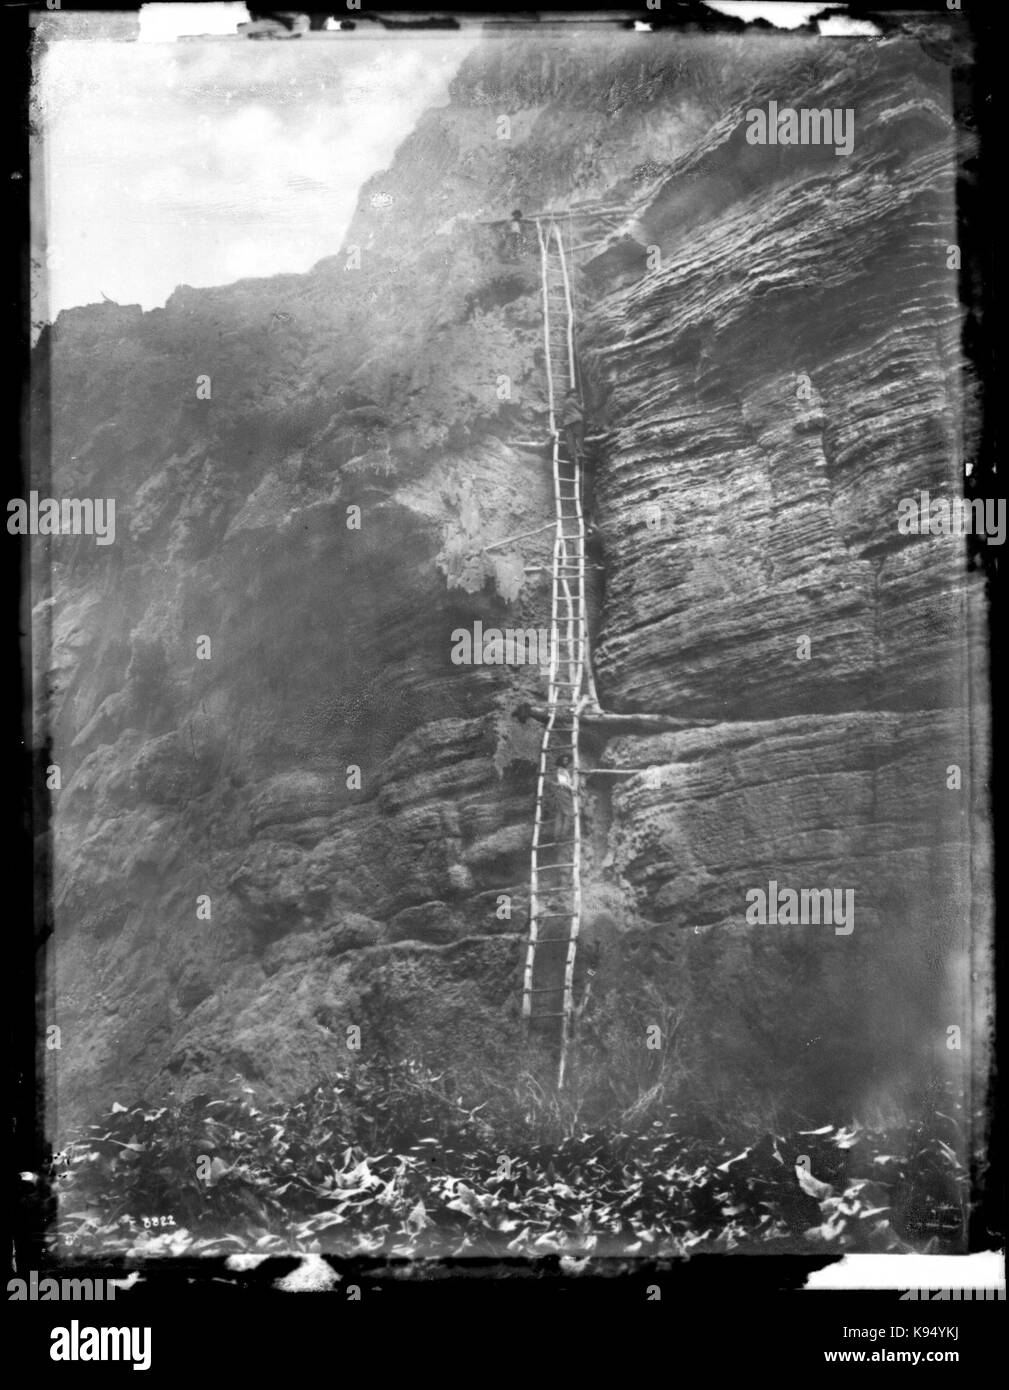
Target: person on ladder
516,240
563,799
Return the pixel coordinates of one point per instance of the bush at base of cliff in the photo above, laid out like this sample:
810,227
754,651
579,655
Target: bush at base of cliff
387,1160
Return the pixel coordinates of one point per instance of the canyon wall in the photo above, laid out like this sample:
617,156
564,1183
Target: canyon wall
769,339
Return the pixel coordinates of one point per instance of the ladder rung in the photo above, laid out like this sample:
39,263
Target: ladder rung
563,1014
542,916
542,868
554,844
546,989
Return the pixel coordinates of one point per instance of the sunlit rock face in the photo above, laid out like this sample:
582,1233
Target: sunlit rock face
769,342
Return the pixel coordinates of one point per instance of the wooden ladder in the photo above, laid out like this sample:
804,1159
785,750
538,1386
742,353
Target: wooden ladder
555,890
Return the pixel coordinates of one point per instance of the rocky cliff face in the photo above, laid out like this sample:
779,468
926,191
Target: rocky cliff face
769,341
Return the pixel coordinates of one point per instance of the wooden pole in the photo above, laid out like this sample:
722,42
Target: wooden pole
660,723
496,545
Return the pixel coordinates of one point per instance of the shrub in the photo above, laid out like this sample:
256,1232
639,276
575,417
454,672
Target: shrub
389,1160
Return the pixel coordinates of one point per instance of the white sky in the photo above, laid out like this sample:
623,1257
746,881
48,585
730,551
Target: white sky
790,14
206,160
783,13
161,22
201,162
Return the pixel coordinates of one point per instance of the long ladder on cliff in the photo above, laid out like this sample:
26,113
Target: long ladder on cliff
555,890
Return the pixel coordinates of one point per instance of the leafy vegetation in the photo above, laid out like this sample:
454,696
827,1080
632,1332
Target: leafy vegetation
387,1160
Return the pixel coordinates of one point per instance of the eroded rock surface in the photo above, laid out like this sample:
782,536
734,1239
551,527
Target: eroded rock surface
765,389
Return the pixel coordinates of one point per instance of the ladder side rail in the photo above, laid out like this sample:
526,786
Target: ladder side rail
552,677
570,308
534,869
546,319
574,633
560,549
534,907
577,468
560,544
558,587
572,374
538,822
567,1007
534,910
